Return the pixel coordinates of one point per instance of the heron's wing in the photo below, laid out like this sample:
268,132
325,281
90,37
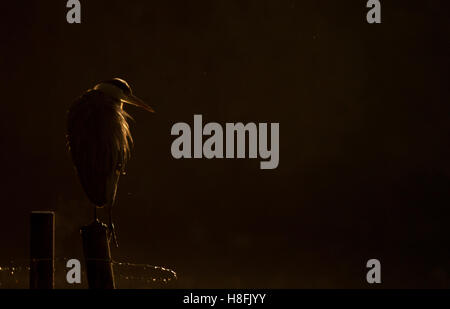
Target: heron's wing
99,139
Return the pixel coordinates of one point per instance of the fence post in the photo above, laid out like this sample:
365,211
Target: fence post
97,256
42,249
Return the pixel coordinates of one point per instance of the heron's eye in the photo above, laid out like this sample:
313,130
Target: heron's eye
127,91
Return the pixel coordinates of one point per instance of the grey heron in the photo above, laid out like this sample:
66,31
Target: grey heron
99,140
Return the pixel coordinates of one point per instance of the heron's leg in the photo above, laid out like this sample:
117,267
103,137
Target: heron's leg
112,229
95,213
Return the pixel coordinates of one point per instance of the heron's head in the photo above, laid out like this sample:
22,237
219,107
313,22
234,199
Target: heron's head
119,90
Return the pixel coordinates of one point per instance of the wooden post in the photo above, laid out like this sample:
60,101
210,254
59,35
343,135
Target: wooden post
97,255
42,249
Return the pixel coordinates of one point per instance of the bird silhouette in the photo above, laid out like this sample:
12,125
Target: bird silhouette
100,141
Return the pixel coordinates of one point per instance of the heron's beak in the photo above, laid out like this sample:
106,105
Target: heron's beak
134,100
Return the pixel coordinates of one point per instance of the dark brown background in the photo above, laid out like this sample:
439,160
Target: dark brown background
364,123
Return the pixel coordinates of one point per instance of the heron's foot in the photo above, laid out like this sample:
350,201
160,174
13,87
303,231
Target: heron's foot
112,234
